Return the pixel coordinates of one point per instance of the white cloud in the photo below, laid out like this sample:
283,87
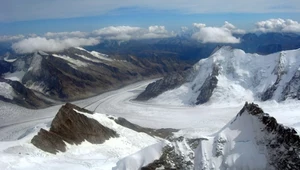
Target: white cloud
158,29
232,28
155,32
199,25
118,32
66,34
128,32
7,38
58,41
216,34
278,25
30,45
184,29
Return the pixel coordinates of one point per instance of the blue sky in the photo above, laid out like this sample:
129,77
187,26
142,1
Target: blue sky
55,25
41,16
172,20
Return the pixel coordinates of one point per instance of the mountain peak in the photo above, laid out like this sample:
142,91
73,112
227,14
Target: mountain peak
231,76
253,140
252,109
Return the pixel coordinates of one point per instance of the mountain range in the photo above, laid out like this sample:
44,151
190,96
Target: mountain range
41,78
197,112
231,75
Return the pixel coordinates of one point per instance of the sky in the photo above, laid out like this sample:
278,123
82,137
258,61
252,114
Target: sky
93,20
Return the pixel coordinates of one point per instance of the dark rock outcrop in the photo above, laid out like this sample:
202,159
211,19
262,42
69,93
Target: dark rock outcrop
165,161
282,143
174,157
163,133
279,72
292,89
49,142
208,86
75,74
72,127
24,96
169,82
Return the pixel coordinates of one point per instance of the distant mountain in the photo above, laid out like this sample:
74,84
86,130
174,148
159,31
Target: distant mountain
77,73
186,48
231,75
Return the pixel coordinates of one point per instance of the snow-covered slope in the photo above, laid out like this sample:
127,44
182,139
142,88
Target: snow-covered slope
19,125
143,148
252,140
6,90
233,76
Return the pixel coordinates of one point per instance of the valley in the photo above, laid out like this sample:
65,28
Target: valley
149,85
192,122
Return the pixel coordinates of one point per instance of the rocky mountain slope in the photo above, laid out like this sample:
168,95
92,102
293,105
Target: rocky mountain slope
252,140
236,76
77,73
72,127
169,82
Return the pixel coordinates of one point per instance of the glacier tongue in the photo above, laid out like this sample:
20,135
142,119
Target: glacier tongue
240,77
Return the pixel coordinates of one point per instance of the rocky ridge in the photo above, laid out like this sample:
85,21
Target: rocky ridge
70,126
279,145
76,73
233,73
169,82
282,143
261,139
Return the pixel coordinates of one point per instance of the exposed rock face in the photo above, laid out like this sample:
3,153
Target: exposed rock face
75,73
178,155
208,87
163,133
72,127
235,74
44,77
169,82
292,90
49,142
282,143
24,96
256,138
279,72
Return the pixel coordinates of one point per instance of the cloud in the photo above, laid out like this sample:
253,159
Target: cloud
118,32
184,29
58,41
30,45
128,32
158,29
216,34
232,28
199,25
7,38
66,34
155,32
278,25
